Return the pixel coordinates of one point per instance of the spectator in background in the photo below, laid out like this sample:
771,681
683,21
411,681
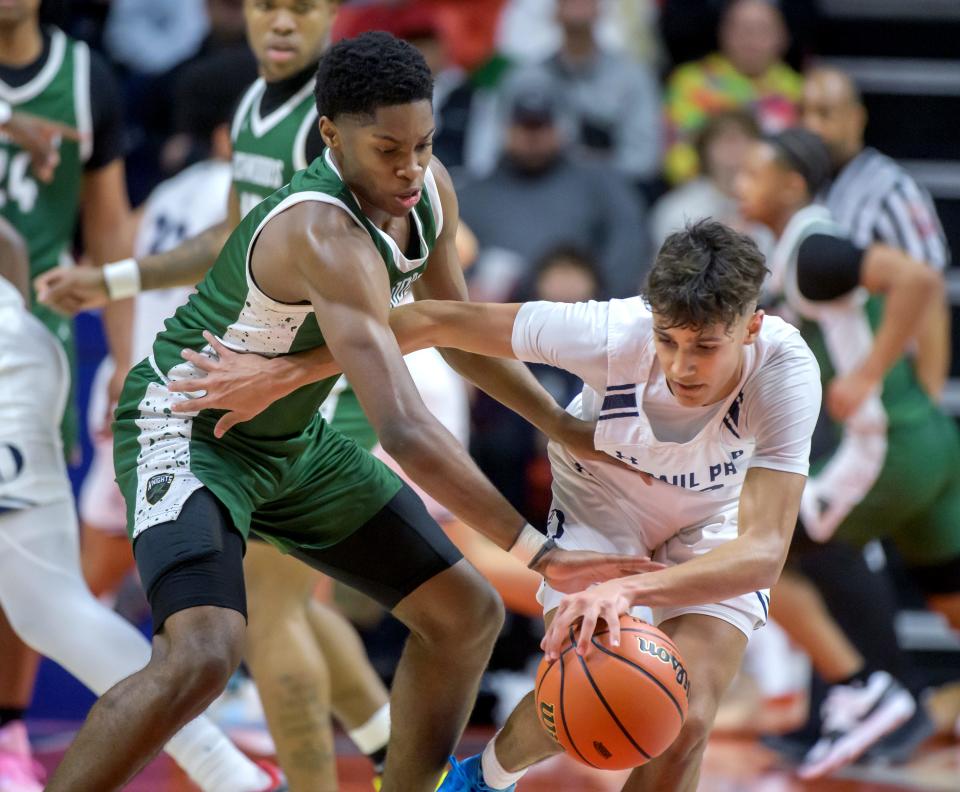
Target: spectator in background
529,31
747,72
539,197
721,146
876,200
614,101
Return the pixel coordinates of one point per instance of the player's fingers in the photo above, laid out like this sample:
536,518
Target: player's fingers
216,344
203,362
612,618
227,422
55,128
587,628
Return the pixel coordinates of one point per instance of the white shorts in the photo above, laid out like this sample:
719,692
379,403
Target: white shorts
571,531
34,383
101,504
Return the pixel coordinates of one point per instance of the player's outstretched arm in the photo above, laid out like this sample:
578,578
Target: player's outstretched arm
315,251
74,289
909,287
769,505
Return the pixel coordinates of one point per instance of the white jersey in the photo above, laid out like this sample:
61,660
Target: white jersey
180,208
699,456
34,381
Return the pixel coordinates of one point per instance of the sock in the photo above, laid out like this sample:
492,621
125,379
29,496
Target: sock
213,762
494,774
373,735
8,714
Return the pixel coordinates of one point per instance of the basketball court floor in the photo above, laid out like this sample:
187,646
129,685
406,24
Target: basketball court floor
731,765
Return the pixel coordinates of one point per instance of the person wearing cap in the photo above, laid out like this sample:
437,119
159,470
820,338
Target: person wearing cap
539,196
859,309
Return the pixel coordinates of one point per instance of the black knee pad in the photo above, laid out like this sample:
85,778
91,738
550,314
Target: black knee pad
194,560
942,578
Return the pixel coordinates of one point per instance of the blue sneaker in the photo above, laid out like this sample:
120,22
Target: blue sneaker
467,776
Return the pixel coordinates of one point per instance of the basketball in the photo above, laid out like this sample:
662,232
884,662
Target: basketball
615,707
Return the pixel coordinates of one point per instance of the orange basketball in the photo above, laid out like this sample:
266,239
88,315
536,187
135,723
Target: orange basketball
615,707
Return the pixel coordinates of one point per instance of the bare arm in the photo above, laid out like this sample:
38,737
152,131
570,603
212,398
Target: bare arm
107,235
508,381
73,290
909,287
933,348
348,286
14,261
315,251
769,504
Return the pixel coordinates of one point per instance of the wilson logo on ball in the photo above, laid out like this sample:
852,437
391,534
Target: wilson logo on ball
666,656
547,719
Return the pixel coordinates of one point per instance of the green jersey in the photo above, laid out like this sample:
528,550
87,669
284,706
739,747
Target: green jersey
317,485
268,150
46,214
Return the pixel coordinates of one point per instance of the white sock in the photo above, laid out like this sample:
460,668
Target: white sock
375,733
213,762
494,774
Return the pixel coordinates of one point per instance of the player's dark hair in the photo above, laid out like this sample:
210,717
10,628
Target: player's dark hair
804,152
359,75
704,275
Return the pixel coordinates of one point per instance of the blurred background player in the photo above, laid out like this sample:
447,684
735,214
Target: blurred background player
41,586
45,73
885,440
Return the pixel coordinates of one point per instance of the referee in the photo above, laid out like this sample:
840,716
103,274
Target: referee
875,200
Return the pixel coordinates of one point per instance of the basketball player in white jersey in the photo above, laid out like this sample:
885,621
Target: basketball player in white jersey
707,405
41,588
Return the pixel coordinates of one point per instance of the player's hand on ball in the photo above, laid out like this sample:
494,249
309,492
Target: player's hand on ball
846,394
232,381
70,290
605,602
573,570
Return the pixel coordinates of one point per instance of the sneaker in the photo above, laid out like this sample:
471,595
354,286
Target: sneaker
19,772
855,717
467,776
278,781
900,745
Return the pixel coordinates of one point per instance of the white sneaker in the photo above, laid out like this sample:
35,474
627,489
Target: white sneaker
855,717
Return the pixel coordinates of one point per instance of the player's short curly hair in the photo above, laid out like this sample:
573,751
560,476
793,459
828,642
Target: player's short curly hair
704,275
359,75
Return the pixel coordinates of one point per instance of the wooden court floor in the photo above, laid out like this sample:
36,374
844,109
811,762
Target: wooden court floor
731,765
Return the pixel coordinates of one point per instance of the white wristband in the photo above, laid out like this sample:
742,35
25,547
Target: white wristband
6,112
122,278
527,544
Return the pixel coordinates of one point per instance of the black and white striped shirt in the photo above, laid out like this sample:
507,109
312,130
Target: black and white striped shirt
875,200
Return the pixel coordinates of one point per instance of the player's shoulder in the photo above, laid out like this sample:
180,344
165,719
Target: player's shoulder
780,345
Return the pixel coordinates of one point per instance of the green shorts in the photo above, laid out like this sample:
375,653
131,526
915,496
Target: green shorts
915,501
310,490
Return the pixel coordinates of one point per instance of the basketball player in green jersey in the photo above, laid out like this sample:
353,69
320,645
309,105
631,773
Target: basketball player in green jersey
319,263
294,642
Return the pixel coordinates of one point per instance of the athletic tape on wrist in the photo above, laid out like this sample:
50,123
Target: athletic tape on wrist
122,278
527,544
